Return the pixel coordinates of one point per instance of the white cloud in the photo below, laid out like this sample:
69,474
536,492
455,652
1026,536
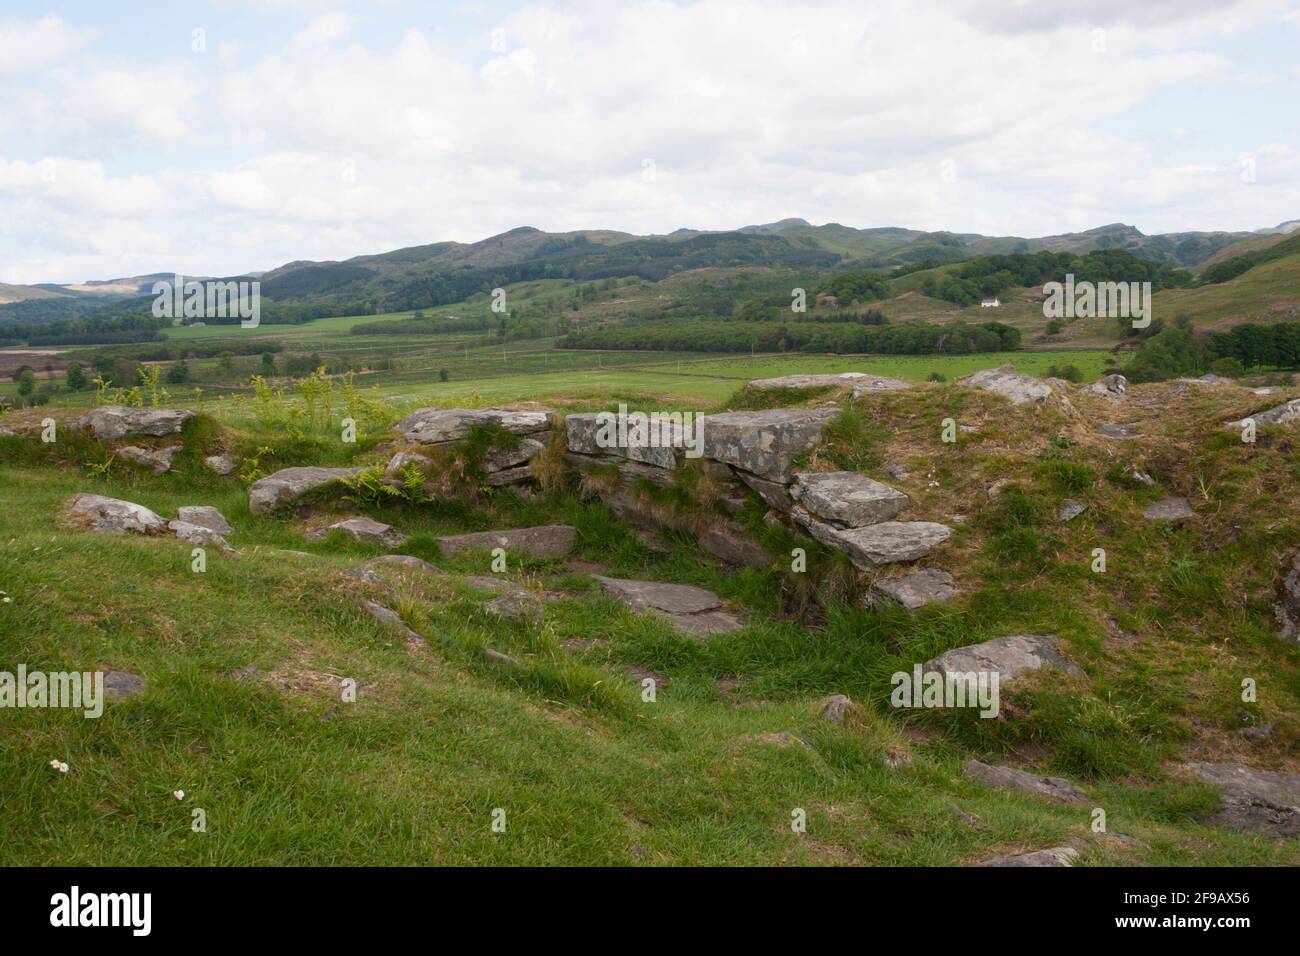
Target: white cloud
30,45
331,145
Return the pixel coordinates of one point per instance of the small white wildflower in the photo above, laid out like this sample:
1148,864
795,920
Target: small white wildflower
178,794
54,764
63,768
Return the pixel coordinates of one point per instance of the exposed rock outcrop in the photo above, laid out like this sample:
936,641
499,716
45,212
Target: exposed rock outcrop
1054,856
1283,414
1009,778
1112,386
1254,801
1287,607
1006,381
1006,656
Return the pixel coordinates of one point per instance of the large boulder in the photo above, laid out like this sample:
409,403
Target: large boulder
1005,656
884,543
689,609
1009,778
848,499
544,541
114,515
1006,381
763,443
290,484
434,426
1254,801
111,422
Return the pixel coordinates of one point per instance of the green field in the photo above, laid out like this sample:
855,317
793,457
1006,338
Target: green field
586,769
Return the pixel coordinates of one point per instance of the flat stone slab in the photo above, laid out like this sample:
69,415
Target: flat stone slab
885,543
861,381
1005,656
290,484
1116,431
1283,414
404,561
434,426
1254,801
543,541
502,459
1004,380
113,515
197,534
689,609
847,498
363,529
661,596
1009,778
157,460
1169,509
917,589
586,436
1055,856
763,443
111,422
205,516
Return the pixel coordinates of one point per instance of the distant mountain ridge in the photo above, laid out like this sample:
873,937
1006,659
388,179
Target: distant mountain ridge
417,273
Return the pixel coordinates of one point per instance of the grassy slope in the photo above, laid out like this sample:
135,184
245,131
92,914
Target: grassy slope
1267,293
587,772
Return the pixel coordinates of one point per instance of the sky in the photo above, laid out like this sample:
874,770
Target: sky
232,136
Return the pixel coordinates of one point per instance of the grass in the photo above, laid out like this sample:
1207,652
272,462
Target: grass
586,770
